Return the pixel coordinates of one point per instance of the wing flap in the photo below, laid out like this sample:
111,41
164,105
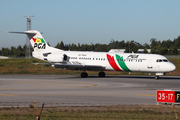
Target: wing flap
79,67
74,66
41,63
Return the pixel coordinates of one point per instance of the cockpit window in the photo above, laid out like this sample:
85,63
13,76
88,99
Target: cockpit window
162,60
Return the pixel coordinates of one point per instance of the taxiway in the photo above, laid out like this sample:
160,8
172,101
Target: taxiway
72,89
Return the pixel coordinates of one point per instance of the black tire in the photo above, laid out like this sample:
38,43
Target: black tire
102,74
156,77
84,74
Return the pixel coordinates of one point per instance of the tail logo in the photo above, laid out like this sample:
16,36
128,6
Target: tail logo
39,43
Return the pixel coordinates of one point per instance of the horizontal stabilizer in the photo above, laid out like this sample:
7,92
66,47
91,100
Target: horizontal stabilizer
38,43
25,32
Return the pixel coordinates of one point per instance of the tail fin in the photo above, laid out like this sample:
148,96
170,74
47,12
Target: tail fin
37,41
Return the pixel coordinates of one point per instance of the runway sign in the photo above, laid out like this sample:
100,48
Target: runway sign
167,96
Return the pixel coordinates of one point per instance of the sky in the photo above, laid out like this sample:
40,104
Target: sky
90,21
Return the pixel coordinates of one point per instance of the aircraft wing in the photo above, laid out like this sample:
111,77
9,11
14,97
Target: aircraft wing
78,66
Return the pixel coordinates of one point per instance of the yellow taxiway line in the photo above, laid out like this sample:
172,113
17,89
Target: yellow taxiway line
78,95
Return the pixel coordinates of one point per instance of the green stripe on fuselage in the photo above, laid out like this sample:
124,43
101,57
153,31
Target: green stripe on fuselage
122,63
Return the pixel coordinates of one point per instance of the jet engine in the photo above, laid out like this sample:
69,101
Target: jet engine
57,58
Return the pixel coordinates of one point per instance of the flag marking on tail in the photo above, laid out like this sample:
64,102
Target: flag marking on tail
39,43
38,40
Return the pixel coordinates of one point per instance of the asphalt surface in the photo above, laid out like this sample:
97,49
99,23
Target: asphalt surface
72,90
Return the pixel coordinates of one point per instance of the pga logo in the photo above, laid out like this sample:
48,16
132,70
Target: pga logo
40,45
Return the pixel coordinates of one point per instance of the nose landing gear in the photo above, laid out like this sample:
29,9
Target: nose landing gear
156,77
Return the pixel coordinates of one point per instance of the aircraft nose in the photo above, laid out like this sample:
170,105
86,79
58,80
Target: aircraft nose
171,67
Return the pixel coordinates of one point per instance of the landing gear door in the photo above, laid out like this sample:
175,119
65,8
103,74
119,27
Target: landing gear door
149,65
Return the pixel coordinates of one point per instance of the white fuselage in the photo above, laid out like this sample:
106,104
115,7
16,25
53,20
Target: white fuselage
129,62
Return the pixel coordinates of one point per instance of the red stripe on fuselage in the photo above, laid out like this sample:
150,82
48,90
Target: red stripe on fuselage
112,62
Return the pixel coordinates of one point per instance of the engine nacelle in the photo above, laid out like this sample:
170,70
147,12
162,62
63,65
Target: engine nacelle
57,58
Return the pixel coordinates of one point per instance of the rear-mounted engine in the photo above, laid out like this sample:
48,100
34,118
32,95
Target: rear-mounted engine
57,58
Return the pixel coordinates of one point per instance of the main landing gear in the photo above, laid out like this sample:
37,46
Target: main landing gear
102,74
84,74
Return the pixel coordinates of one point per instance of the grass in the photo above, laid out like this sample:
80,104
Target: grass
123,112
25,66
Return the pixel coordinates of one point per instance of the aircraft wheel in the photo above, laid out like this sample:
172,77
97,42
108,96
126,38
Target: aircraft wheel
102,74
84,74
156,77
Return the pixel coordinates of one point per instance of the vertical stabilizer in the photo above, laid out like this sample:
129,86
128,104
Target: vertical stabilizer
37,41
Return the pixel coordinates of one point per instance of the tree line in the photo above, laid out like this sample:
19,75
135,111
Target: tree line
165,47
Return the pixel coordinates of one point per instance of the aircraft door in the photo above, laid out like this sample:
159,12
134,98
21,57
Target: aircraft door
149,65
156,66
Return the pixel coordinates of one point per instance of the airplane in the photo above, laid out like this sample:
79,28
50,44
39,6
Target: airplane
97,61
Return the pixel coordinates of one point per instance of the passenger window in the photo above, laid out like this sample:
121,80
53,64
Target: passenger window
139,60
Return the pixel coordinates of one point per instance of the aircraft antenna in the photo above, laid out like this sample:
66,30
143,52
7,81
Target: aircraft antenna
28,46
